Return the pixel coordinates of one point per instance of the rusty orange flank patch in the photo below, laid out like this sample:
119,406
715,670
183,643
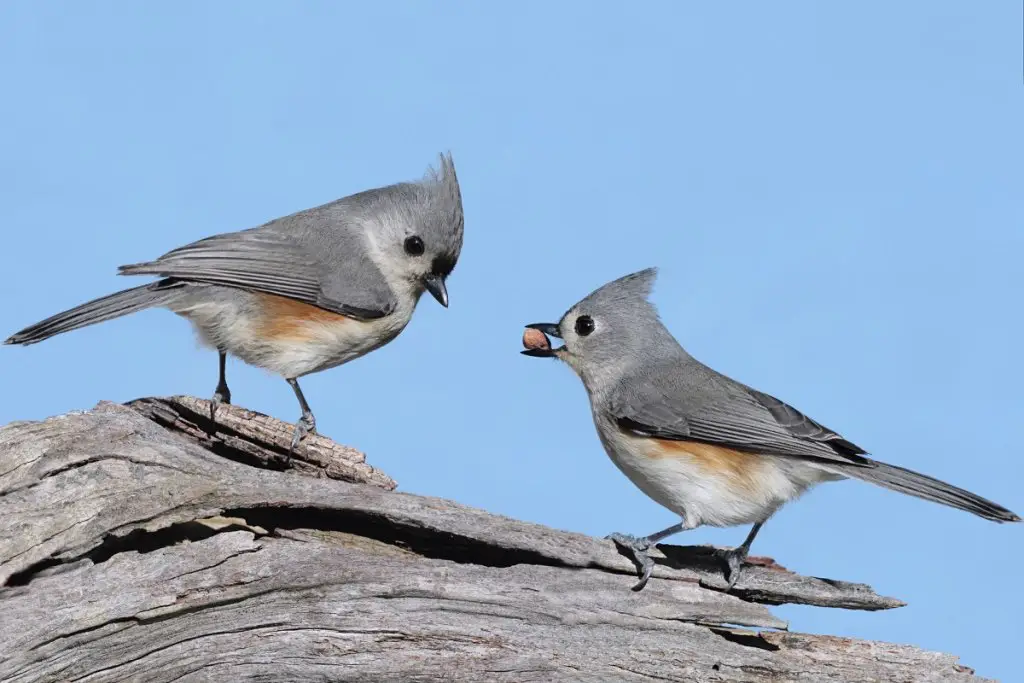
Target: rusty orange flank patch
285,318
738,466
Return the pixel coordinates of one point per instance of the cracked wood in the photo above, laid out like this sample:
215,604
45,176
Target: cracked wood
145,542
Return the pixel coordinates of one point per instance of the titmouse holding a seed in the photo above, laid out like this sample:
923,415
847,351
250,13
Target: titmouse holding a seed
707,447
305,292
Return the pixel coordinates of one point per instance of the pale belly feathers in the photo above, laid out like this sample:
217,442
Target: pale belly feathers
701,486
285,337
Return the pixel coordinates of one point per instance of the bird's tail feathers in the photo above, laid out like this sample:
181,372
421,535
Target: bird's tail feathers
929,488
99,310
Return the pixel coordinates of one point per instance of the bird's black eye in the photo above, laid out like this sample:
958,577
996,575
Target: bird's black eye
584,325
414,246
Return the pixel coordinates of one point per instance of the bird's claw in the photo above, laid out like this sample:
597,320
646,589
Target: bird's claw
733,559
220,395
638,547
304,427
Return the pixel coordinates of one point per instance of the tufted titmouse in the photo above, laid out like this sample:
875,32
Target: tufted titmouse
305,292
705,446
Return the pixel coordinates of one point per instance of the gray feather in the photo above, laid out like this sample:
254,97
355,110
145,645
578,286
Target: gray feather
99,310
928,488
658,389
640,379
802,426
683,399
688,401
321,256
267,261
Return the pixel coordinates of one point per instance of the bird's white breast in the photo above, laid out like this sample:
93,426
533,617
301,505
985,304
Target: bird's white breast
706,487
328,344
290,340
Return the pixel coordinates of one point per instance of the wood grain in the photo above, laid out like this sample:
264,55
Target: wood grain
143,542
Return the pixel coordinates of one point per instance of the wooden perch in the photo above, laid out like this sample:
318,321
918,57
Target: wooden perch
147,542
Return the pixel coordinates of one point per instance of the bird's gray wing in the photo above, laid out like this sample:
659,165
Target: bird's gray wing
272,263
729,415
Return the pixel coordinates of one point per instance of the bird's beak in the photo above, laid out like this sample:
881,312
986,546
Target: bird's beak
435,285
551,330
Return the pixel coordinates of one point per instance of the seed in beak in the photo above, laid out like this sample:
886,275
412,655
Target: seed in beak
535,340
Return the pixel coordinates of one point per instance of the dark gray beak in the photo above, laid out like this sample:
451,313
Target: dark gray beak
551,330
435,285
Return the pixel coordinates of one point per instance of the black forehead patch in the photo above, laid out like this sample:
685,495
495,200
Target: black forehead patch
442,265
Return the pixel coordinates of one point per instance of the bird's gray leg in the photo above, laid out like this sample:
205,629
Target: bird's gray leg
221,394
734,557
307,423
638,547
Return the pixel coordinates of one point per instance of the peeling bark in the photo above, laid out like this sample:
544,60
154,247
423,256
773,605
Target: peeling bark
149,542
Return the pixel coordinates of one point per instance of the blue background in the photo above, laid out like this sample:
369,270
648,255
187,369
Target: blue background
833,193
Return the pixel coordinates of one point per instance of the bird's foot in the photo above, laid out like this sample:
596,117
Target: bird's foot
304,427
220,395
733,560
638,547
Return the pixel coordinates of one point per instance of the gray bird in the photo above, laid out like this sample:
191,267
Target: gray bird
705,446
305,292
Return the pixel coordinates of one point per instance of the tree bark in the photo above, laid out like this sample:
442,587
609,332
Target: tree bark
149,542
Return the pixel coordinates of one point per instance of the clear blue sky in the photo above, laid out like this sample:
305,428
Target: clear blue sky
833,191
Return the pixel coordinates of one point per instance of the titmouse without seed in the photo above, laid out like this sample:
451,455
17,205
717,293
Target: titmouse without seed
705,446
305,292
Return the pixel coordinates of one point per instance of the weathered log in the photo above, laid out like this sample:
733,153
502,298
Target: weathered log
151,542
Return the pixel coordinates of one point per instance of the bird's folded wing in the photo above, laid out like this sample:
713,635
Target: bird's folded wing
738,418
270,263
